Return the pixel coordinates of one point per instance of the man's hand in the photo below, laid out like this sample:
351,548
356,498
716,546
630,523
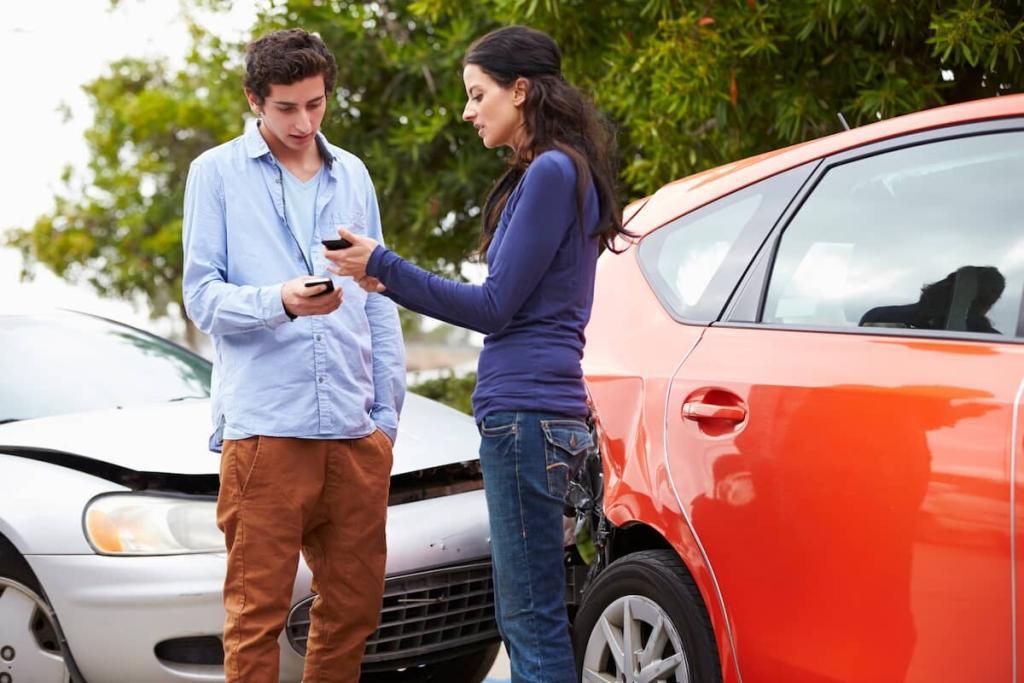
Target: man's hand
301,300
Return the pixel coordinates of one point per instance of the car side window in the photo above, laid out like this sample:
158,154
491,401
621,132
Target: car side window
929,237
694,262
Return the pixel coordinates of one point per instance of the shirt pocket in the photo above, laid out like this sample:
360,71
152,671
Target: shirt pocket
353,220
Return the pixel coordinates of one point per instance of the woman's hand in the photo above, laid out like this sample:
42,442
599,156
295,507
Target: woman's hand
370,284
351,260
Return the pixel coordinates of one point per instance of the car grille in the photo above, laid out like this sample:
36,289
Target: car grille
423,613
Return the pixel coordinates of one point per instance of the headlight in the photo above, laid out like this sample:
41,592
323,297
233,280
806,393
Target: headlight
142,524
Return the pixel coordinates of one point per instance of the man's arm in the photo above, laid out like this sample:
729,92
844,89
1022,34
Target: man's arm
213,304
386,341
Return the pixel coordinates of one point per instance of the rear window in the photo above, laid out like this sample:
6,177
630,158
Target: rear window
694,263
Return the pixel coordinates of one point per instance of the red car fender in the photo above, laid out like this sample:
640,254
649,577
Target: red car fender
634,466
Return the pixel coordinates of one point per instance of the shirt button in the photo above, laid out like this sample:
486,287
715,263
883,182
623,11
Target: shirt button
320,380
318,337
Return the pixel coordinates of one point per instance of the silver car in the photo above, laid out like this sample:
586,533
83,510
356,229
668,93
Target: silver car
111,564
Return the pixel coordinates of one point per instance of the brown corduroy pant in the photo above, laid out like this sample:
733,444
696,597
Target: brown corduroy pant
328,498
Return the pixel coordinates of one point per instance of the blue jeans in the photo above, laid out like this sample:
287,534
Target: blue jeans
527,460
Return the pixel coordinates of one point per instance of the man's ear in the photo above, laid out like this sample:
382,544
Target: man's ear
254,104
519,91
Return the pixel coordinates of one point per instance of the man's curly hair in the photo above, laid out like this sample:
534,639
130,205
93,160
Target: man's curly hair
285,57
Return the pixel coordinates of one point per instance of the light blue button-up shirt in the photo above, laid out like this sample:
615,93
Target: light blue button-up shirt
325,377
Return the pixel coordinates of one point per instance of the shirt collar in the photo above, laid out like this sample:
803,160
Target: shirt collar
256,146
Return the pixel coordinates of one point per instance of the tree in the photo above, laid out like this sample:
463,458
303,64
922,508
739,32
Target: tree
120,230
690,85
398,106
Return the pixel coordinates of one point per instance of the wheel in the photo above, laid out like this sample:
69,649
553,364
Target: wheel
643,620
471,667
29,646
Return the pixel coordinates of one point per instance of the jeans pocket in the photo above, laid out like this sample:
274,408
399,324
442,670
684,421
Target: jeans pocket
566,442
498,424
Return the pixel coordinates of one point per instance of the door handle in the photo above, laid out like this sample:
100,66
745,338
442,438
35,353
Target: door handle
708,411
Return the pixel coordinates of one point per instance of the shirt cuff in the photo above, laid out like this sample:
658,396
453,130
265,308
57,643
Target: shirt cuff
390,432
373,265
382,417
272,306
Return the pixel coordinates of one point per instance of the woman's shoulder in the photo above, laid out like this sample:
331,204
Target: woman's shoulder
555,159
552,166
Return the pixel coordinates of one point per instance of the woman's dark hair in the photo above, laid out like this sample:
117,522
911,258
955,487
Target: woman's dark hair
556,116
285,57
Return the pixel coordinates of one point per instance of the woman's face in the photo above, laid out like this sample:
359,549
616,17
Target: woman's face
494,111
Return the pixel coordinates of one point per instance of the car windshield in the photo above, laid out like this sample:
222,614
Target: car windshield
70,363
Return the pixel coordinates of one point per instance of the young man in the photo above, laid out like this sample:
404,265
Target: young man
308,382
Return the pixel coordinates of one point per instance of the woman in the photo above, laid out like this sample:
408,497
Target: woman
544,223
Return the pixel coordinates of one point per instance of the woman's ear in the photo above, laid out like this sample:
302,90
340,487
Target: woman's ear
519,90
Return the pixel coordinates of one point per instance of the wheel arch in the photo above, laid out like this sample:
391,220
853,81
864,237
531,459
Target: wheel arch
633,538
9,537
12,558
669,530
14,564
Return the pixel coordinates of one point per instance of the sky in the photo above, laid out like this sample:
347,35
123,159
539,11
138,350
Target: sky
38,142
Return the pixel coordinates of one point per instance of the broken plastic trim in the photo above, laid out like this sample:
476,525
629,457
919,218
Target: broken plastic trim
195,484
436,482
591,531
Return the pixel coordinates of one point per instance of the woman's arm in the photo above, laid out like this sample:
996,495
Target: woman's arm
545,211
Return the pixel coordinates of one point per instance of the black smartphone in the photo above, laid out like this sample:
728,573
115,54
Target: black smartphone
316,282
339,243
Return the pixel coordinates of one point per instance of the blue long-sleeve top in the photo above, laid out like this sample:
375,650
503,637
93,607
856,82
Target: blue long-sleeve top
536,299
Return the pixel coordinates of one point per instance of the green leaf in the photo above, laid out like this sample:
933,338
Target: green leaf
658,69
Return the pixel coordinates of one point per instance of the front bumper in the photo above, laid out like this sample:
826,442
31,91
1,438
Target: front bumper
115,611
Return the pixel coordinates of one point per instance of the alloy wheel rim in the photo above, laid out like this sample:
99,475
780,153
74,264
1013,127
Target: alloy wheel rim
28,648
635,641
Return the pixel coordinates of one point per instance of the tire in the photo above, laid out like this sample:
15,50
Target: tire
471,667
30,644
643,589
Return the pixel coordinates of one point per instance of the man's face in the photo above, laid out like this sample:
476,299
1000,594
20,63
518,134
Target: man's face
291,114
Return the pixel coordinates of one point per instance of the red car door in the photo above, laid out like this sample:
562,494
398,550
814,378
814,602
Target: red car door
1017,467
842,443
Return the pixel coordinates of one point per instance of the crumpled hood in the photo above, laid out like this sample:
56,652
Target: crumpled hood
173,437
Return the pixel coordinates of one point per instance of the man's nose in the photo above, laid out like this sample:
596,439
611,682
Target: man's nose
304,122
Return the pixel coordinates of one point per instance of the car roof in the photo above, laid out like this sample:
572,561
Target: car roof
682,196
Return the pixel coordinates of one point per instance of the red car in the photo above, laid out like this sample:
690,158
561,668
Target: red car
807,378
